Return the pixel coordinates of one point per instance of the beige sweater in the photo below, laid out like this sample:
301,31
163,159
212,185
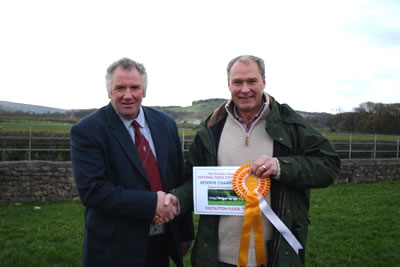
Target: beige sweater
233,151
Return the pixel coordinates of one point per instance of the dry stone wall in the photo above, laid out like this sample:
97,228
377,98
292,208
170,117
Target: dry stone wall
36,181
45,181
354,171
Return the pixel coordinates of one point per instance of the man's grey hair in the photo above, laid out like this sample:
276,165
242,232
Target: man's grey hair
126,64
247,59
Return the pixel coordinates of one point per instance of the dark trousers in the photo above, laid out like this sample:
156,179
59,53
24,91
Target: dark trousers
157,251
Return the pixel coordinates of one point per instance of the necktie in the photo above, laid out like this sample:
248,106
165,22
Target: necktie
148,160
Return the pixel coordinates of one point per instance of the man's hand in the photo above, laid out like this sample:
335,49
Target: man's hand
167,208
264,167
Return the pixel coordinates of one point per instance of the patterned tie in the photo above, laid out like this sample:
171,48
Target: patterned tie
148,160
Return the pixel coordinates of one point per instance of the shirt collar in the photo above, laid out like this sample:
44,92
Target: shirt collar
140,119
260,110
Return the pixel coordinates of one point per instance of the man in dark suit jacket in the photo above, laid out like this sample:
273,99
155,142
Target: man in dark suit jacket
120,202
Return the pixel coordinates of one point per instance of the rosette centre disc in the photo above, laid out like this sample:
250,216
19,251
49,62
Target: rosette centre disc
251,182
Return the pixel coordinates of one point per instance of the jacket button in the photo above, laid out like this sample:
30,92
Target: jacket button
286,253
205,244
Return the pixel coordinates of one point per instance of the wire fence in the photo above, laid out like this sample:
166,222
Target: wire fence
20,141
365,146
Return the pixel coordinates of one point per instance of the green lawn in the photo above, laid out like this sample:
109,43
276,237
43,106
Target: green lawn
351,225
49,236
355,225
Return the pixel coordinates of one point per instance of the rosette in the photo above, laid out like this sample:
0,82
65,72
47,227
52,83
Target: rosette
253,190
249,188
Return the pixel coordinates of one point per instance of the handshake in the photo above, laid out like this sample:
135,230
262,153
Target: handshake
167,208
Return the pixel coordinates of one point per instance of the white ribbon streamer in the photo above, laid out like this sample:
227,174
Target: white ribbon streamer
279,225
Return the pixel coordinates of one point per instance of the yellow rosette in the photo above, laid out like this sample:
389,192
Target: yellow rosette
248,188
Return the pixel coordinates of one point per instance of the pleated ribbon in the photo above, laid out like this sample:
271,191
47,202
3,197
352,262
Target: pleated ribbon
252,220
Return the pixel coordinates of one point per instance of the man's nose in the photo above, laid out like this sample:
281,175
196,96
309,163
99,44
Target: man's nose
127,94
245,88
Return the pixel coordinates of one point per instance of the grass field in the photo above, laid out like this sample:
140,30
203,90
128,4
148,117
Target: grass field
361,137
355,225
42,127
38,125
351,225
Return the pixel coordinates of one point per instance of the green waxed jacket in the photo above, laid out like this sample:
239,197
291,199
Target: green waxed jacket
307,160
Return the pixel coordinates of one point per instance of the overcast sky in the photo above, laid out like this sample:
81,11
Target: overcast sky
321,56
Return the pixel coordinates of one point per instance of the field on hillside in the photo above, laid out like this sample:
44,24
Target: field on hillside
38,126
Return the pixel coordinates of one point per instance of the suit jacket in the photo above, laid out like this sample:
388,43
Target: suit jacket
115,191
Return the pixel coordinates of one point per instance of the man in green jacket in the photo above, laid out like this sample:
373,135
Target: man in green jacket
254,128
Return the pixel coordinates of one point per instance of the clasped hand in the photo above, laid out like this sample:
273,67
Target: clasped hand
167,208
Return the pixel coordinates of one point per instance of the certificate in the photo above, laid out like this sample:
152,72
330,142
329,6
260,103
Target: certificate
213,193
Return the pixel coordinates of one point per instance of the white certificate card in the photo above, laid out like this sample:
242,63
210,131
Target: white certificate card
213,193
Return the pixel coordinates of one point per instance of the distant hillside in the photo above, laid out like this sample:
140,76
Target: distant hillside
202,108
199,110
317,119
13,107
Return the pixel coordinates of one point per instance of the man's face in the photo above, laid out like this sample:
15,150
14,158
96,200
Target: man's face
246,86
127,92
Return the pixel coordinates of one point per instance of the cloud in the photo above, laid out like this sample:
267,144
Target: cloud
338,52
378,22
